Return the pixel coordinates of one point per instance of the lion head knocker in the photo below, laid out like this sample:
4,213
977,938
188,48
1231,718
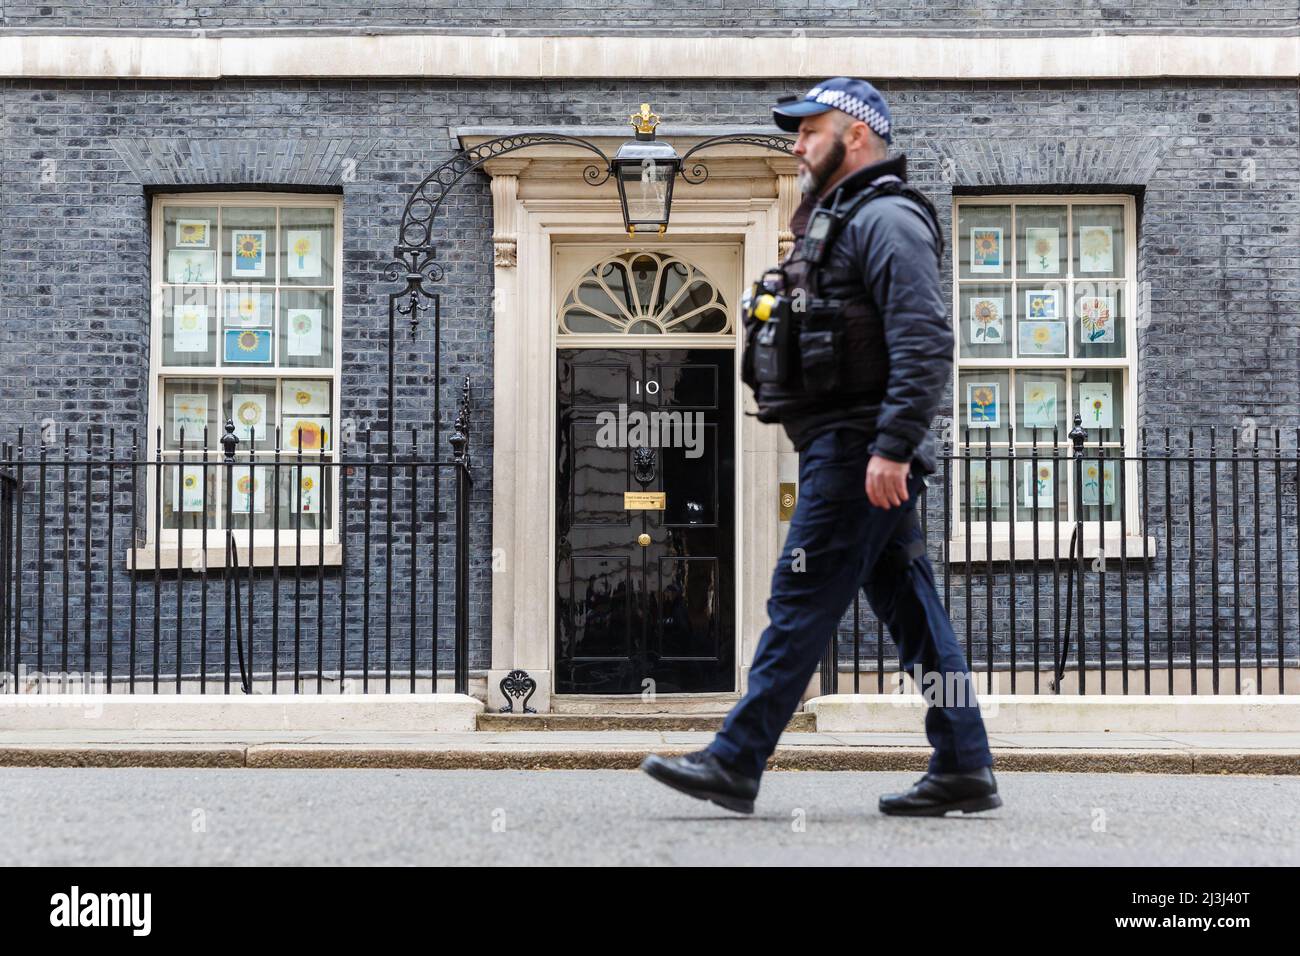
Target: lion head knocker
643,465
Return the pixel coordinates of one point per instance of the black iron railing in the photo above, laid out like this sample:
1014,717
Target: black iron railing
347,570
1169,567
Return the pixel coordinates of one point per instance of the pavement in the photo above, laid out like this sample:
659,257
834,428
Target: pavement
520,819
1170,753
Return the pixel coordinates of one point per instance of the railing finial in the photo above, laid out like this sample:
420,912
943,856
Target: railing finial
229,441
1078,434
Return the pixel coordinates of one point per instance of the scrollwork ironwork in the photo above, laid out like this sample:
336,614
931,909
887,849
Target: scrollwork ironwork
698,173
514,685
419,269
416,232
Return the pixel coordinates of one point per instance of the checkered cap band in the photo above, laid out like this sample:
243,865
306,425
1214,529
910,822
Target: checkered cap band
857,108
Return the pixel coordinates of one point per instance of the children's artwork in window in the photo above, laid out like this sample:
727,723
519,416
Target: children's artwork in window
306,434
1041,338
248,490
1040,404
190,327
982,404
1042,305
986,249
1096,249
249,412
247,307
982,494
307,498
192,233
305,397
1098,477
248,346
189,412
304,336
303,253
188,266
1095,405
1096,319
248,253
1043,255
986,325
1037,478
187,488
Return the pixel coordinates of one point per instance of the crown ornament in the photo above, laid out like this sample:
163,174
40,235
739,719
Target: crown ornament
644,121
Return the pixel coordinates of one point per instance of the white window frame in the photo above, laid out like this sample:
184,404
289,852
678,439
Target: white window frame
262,538
1128,366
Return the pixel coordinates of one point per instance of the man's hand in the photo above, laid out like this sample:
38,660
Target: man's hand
886,482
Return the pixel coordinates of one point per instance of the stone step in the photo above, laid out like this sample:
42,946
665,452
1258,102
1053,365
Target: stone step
799,723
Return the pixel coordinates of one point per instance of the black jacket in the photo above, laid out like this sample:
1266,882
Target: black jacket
889,252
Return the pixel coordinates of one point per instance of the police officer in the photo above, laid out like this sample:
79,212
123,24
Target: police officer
849,347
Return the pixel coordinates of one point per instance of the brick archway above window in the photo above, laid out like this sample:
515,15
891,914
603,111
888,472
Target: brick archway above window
1048,161
243,162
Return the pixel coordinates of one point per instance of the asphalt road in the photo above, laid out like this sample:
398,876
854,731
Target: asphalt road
531,818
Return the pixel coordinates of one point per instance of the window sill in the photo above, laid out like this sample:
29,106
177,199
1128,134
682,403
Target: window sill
1000,547
142,559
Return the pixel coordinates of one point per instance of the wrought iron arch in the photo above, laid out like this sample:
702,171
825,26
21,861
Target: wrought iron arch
414,256
422,208
698,173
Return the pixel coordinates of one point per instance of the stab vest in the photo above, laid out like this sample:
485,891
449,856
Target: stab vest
861,372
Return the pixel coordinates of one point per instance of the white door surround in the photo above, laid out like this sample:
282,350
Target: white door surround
540,200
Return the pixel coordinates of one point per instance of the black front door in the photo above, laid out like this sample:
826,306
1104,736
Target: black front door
644,593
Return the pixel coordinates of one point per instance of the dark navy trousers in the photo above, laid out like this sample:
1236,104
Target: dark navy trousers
837,542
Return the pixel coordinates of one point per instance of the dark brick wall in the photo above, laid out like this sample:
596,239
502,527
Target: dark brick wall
1220,249
1043,16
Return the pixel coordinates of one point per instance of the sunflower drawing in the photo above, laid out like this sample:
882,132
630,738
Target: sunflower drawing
987,320
1095,314
1095,243
189,320
250,413
248,246
248,341
191,482
983,400
1097,406
301,323
194,234
309,436
1042,247
986,247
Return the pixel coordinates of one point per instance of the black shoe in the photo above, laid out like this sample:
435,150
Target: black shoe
703,776
935,794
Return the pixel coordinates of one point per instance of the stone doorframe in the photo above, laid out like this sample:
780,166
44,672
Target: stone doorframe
539,199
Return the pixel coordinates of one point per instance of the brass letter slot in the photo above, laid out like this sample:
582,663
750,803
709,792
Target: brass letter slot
644,500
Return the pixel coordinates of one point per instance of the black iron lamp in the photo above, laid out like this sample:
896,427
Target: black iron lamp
644,169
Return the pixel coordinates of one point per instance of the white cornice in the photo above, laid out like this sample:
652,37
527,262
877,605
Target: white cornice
621,57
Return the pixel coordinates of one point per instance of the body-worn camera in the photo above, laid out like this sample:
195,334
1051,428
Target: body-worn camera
769,319
785,344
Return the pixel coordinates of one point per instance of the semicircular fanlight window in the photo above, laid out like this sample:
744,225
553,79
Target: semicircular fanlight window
644,293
